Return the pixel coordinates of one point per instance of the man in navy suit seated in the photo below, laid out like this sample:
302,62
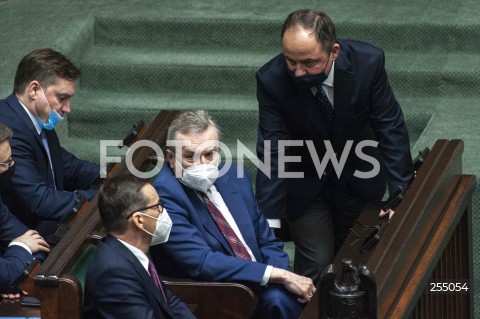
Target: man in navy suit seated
121,281
218,233
21,242
48,179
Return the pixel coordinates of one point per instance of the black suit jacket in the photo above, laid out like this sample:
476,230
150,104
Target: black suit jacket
118,286
365,108
14,259
32,196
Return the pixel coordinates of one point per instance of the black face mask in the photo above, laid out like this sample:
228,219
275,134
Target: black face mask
307,81
5,178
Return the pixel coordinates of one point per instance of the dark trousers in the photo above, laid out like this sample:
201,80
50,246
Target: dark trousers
276,302
321,229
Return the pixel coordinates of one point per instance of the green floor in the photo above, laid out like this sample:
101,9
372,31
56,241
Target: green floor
141,56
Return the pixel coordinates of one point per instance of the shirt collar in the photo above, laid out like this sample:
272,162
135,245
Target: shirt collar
32,117
142,258
329,80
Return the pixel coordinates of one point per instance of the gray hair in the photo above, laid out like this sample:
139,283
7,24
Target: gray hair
191,122
5,133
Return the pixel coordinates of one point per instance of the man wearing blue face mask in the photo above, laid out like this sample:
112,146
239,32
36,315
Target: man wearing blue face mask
48,179
321,90
218,232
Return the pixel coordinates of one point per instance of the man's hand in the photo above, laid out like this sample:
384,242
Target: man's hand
299,285
383,213
13,296
34,241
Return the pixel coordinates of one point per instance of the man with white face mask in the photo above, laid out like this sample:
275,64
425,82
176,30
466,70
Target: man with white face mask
218,233
121,281
48,179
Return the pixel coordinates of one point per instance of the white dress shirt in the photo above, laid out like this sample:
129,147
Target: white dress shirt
216,198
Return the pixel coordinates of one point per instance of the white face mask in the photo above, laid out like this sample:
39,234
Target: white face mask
200,177
162,228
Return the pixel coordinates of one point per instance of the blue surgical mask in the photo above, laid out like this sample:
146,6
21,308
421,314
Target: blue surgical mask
53,119
307,81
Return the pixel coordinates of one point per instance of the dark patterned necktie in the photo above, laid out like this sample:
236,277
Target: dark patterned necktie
237,246
326,109
156,278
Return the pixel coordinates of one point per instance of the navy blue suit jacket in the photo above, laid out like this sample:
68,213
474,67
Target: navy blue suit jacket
196,247
32,196
118,286
14,259
365,108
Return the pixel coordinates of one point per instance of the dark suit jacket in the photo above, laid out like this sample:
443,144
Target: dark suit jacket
365,109
14,259
118,286
32,196
196,247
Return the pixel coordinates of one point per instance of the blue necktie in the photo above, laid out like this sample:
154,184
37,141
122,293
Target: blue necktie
326,109
45,144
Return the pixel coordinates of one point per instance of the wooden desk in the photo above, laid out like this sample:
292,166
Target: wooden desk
427,241
15,309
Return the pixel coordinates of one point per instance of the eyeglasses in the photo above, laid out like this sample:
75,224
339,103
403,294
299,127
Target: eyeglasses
8,163
160,206
373,237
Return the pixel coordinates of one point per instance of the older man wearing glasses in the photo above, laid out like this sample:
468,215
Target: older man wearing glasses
121,281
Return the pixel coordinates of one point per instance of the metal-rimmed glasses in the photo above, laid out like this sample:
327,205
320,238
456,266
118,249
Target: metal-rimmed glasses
8,163
160,206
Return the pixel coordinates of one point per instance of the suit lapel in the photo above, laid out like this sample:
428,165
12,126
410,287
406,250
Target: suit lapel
239,212
342,95
207,220
55,152
141,271
12,100
311,110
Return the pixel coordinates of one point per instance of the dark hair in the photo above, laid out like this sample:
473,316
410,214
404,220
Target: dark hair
5,133
45,66
319,22
119,196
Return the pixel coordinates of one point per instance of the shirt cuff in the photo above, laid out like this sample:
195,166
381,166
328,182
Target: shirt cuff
274,223
17,243
266,275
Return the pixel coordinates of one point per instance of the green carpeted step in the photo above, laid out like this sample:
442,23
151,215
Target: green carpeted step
263,34
105,114
434,74
89,148
228,72
135,70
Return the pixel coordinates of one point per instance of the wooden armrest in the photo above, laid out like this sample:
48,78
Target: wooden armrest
219,300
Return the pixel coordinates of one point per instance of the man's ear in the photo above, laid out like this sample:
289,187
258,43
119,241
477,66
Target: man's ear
335,51
32,89
137,220
171,159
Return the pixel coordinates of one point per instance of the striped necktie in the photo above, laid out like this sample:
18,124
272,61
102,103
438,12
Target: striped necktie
237,246
326,109
156,278
43,135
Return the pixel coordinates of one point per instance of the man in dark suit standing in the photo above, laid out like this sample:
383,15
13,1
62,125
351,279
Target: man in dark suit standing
326,100
21,243
218,232
48,179
121,281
